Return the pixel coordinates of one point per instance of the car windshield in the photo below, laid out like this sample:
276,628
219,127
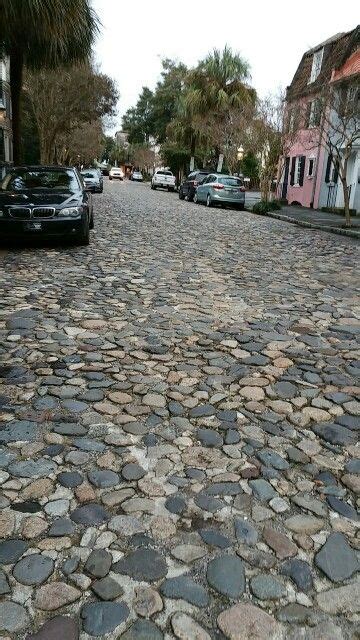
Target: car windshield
41,180
164,173
90,173
231,182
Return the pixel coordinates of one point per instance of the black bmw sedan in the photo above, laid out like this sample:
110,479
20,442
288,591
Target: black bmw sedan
45,201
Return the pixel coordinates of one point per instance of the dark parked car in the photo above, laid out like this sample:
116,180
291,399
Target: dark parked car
45,201
188,187
93,180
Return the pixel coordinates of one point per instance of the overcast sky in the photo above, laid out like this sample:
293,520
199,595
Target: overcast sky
271,35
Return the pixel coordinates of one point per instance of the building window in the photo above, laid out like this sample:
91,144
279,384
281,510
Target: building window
2,145
297,171
311,167
314,114
316,64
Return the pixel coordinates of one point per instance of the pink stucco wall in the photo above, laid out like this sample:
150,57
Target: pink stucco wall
301,147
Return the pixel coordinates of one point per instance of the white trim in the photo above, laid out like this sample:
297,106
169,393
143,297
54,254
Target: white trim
297,171
316,64
311,175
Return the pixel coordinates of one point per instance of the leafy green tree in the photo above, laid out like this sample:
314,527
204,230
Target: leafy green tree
217,85
249,166
138,120
165,103
42,33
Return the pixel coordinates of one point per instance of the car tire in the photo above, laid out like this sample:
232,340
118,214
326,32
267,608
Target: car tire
83,239
209,201
91,223
181,195
110,178
171,189
196,199
154,187
241,207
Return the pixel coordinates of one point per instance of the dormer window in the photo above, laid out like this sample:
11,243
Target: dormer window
316,64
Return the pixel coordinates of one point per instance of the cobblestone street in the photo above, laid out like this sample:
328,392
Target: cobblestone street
179,435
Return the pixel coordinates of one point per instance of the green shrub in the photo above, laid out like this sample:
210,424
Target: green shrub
264,206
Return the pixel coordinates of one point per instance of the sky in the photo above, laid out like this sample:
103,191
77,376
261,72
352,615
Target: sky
270,35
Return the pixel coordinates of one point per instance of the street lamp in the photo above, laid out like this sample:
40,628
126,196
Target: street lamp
240,153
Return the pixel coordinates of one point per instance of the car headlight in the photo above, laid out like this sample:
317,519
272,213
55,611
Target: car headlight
73,212
2,213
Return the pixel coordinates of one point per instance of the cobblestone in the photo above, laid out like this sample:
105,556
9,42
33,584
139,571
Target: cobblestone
182,410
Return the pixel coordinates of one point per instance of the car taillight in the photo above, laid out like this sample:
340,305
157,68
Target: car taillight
242,188
217,187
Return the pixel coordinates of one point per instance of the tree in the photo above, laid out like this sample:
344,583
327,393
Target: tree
217,85
249,166
165,102
265,137
143,157
82,145
225,132
64,99
138,120
42,33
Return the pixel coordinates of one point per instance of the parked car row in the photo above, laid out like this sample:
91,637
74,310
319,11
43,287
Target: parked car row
204,186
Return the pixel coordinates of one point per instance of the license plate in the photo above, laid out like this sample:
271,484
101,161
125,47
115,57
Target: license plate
34,226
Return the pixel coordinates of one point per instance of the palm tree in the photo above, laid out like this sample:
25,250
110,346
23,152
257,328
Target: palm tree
42,33
216,86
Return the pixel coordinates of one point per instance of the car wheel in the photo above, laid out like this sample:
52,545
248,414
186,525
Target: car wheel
208,201
110,178
181,195
241,207
91,223
196,199
154,187
83,238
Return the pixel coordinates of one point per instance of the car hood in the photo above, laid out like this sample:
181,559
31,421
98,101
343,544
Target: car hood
40,198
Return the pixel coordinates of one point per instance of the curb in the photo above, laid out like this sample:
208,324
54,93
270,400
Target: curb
301,223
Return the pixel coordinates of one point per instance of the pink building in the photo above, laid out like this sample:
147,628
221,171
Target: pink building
305,165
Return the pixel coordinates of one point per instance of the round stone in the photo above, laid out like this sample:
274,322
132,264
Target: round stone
13,617
90,515
266,587
143,564
100,618
58,628
175,504
98,563
103,479
147,601
33,569
70,479
142,630
132,471
12,550
226,575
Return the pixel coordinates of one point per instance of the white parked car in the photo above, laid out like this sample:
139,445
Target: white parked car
163,178
116,173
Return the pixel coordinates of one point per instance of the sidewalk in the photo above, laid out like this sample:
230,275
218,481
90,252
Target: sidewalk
315,219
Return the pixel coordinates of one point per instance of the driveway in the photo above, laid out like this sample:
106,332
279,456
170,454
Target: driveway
178,441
